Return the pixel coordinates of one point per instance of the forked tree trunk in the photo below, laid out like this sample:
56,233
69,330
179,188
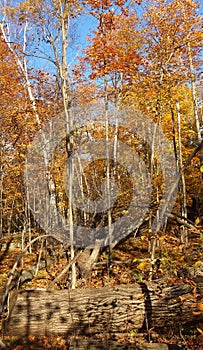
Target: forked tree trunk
107,311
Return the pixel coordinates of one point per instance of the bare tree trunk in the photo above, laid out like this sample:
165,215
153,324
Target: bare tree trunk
173,130
153,241
194,95
108,189
66,95
10,217
184,231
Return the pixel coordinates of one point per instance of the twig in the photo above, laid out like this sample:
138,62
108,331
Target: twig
66,268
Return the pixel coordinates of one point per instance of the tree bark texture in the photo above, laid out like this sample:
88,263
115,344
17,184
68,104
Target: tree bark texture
86,344
106,311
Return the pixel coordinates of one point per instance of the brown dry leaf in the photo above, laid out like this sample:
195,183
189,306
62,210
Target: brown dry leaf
121,340
182,258
182,297
196,313
172,281
141,296
162,238
200,306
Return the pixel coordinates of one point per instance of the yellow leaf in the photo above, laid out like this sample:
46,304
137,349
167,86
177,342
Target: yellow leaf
197,221
197,263
142,265
124,211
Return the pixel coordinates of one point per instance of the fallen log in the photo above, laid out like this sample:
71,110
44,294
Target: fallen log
106,311
86,344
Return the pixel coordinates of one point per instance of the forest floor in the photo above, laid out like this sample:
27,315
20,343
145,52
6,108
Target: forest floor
131,263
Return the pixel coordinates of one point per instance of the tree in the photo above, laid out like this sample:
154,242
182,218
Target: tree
47,24
142,62
12,139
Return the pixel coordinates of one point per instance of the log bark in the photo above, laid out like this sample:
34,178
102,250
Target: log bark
106,311
86,344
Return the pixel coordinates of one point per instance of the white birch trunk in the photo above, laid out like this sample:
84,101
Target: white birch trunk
184,232
194,95
66,96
